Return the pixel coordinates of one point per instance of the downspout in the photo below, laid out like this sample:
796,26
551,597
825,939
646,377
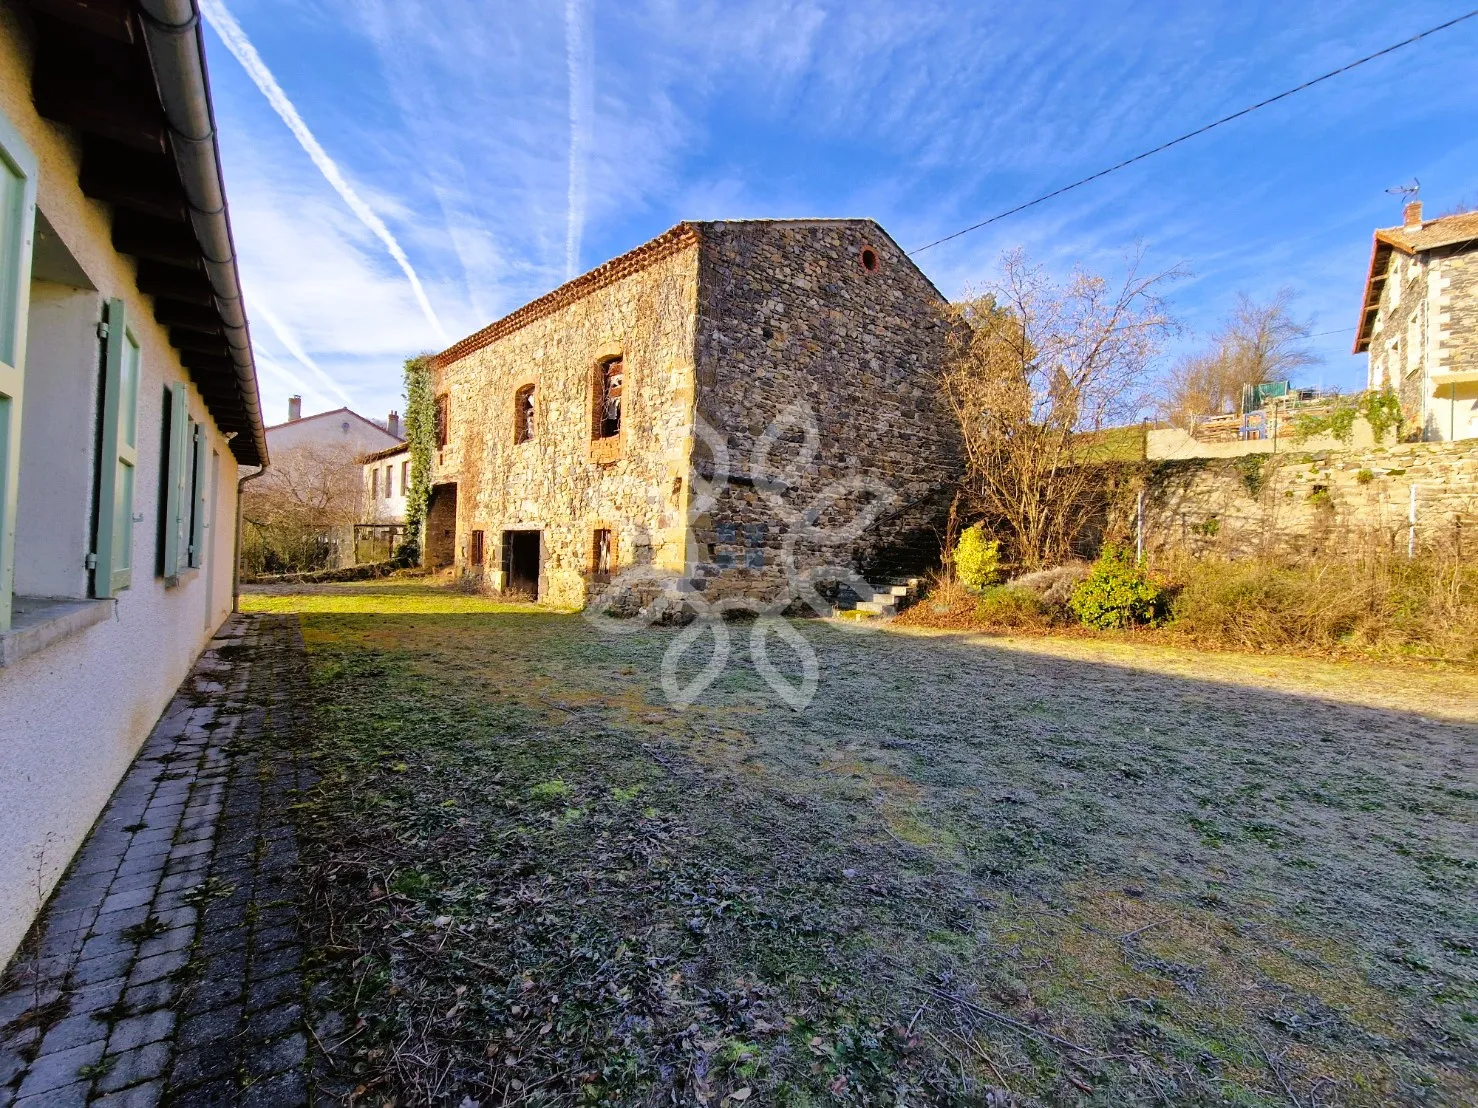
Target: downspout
172,33
236,556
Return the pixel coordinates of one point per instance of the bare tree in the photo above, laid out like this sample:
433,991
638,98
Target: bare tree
312,496
1033,370
1259,343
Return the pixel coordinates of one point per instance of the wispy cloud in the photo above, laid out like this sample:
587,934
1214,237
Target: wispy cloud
509,145
292,346
580,61
244,52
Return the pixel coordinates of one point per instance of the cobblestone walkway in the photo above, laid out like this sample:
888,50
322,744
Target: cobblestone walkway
166,968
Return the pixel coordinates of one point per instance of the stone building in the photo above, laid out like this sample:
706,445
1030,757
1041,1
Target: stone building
714,407
1419,321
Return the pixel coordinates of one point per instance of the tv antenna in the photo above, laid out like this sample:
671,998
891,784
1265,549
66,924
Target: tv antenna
1407,192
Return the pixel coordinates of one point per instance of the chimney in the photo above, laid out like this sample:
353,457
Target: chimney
393,424
1412,216
294,408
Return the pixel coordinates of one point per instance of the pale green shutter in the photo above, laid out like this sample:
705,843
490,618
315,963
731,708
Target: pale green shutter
119,458
177,498
197,499
17,224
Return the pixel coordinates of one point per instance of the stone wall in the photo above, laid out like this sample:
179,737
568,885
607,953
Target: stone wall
1452,411
1324,502
553,483
832,318
739,323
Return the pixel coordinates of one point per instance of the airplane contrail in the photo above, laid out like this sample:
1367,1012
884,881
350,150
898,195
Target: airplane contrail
292,346
244,52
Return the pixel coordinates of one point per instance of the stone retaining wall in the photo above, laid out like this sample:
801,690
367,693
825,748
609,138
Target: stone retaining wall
1303,503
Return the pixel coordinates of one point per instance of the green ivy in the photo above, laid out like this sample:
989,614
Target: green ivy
1250,466
420,433
1381,409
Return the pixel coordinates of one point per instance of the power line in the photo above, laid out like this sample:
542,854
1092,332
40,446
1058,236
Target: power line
1200,130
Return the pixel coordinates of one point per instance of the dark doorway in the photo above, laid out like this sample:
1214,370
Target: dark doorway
521,563
441,527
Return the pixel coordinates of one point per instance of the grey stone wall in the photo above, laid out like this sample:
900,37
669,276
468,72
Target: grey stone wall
792,317
739,323
1327,502
1460,311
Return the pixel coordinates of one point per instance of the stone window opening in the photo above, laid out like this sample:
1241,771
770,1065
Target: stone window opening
602,554
478,551
375,484
523,415
868,259
609,378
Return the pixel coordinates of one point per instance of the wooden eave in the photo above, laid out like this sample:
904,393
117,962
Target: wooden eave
93,74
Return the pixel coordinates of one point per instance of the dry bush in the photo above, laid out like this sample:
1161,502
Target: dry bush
1260,342
1017,609
1035,370
292,515
1426,607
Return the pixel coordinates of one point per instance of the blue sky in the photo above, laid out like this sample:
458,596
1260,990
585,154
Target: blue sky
486,151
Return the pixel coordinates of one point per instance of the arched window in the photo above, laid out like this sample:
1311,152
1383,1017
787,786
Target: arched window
523,414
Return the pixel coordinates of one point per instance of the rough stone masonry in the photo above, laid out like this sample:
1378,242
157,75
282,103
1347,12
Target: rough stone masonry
737,326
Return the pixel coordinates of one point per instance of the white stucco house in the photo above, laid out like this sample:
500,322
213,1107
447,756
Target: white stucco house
387,478
340,429
128,400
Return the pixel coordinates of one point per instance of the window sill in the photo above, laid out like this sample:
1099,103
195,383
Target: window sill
38,621
606,451
174,580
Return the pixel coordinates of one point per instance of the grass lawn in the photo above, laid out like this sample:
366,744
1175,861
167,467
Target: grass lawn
973,871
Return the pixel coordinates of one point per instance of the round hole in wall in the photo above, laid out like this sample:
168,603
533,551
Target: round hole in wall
869,259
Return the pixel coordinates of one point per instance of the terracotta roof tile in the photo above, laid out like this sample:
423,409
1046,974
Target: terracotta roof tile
1447,230
665,245
1433,233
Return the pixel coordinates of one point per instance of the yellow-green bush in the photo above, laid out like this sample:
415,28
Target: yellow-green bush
977,559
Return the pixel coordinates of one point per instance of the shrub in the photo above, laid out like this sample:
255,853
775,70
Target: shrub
977,559
1054,586
1117,593
1427,605
1009,606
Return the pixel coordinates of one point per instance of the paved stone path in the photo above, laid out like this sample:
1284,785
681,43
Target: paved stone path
166,968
